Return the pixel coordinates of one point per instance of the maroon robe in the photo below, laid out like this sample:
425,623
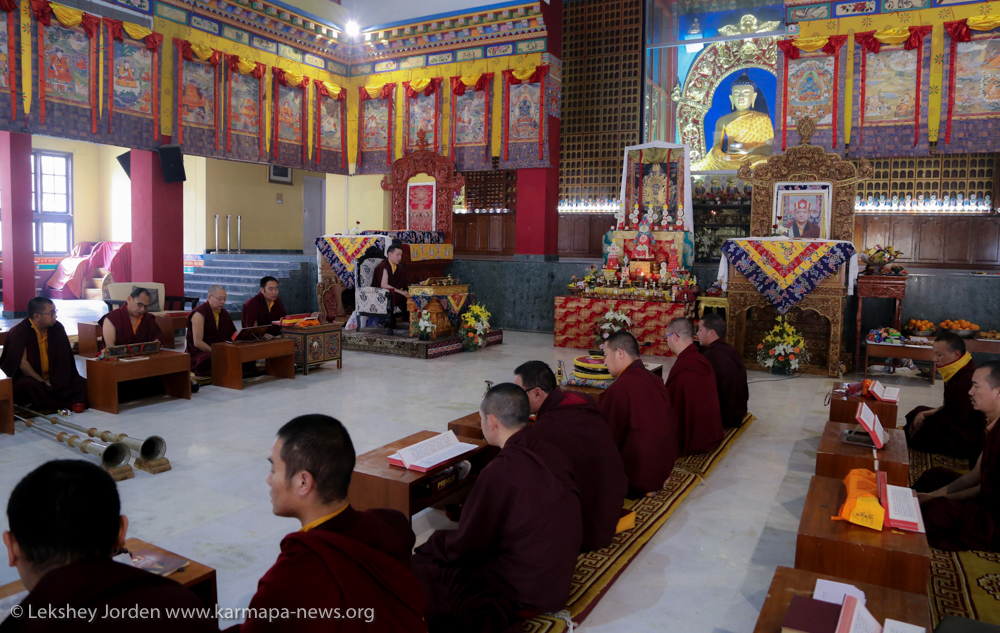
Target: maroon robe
693,394
102,584
643,424
573,423
255,313
973,523
516,545
396,280
957,429
147,331
354,560
730,382
201,362
67,386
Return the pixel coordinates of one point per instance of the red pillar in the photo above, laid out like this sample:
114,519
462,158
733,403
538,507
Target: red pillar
157,224
537,214
15,216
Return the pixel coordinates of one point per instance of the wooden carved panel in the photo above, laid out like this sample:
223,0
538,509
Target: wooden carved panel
986,249
957,239
935,240
900,236
441,169
485,234
930,241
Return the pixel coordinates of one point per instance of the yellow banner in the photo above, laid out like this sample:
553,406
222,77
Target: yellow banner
984,22
374,90
202,52
333,89
896,35
293,79
420,84
245,67
67,17
135,31
471,80
524,73
810,44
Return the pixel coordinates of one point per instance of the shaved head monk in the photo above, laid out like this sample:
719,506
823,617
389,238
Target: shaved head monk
65,525
207,324
962,512
265,307
130,324
730,372
38,357
637,409
516,545
340,558
573,423
693,392
956,427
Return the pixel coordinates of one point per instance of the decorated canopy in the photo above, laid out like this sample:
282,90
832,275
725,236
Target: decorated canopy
656,174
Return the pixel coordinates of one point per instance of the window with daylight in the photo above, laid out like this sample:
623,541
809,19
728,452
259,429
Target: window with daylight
52,202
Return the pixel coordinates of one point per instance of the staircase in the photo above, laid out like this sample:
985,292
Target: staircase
240,275
94,288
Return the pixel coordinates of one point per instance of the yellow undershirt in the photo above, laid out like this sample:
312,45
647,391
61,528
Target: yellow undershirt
269,304
948,371
215,313
135,328
43,349
393,267
320,521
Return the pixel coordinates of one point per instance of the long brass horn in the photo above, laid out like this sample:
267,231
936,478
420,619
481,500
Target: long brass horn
153,447
113,455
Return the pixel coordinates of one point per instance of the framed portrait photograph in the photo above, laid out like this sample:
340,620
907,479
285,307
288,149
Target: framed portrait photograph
279,175
802,209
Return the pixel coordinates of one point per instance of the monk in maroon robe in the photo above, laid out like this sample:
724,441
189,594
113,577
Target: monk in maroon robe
130,324
573,423
264,308
391,276
515,549
208,324
730,372
693,393
65,524
963,511
340,558
955,428
637,409
38,357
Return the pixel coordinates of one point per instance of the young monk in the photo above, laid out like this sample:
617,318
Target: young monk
693,393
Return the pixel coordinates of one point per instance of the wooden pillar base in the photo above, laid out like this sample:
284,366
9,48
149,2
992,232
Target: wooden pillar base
121,473
153,467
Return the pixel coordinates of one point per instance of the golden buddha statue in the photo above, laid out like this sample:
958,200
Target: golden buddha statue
743,135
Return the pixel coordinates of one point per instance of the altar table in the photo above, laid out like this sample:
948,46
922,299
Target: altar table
576,317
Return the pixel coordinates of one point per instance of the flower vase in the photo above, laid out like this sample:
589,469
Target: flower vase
781,371
424,336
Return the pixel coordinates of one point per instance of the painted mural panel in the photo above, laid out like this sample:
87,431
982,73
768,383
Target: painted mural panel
244,109
66,55
289,114
4,62
330,125
374,133
890,89
470,118
977,78
198,94
133,83
422,118
524,109
810,90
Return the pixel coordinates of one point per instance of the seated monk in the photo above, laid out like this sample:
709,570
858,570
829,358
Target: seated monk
955,428
130,324
207,324
693,394
730,372
264,308
637,409
391,276
573,423
38,357
519,535
962,512
65,526
340,558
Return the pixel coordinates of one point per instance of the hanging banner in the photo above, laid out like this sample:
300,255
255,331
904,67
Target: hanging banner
423,111
132,74
812,84
67,63
973,75
523,108
244,108
375,131
331,126
196,84
470,121
8,53
289,118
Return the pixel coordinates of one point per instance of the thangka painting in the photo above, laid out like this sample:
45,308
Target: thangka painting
4,62
422,117
420,201
375,127
198,94
66,55
243,105
289,114
330,125
890,87
810,90
132,78
470,118
977,78
523,116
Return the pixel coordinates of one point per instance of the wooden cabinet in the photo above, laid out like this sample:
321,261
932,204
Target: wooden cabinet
484,233
582,234
934,240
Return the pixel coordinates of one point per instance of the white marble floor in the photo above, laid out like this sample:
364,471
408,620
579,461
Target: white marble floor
707,570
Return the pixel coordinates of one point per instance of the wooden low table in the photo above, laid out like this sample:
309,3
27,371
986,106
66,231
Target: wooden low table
469,426
912,352
88,338
103,377
200,579
844,409
888,558
315,345
377,484
228,359
881,602
835,459
6,405
169,323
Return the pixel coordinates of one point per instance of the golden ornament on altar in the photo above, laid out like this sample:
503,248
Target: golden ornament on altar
747,132
655,186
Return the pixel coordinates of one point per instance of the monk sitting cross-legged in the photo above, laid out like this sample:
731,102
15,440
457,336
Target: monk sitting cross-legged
730,372
693,393
207,324
264,308
637,409
962,512
130,324
519,536
340,559
573,423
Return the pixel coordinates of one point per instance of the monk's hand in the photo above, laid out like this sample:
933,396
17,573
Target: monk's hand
924,497
268,336
46,382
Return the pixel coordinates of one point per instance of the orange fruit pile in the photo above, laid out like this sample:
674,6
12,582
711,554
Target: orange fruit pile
920,325
960,324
